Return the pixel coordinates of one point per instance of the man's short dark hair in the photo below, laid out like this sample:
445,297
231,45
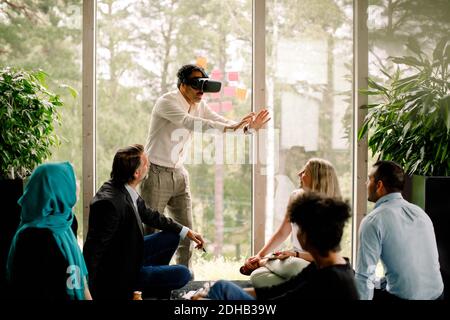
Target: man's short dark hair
125,163
185,71
392,175
321,218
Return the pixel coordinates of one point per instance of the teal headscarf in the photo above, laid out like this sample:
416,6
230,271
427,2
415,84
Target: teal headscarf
47,202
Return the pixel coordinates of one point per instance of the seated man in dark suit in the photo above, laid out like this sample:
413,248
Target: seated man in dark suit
118,256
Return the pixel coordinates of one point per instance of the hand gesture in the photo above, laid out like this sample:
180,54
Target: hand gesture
197,238
260,120
252,262
248,118
284,254
245,121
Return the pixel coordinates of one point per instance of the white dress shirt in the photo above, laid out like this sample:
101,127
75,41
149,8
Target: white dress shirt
134,196
401,235
172,124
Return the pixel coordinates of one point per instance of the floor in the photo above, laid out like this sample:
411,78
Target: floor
196,285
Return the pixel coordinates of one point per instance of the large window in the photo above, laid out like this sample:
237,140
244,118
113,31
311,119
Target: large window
309,80
140,47
308,64
391,23
308,60
47,36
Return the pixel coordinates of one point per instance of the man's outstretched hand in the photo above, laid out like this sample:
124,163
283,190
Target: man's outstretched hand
245,121
252,121
259,120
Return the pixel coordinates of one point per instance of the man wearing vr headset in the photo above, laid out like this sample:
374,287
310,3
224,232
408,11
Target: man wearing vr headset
167,183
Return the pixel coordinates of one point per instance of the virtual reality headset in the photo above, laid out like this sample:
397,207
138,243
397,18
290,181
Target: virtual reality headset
204,84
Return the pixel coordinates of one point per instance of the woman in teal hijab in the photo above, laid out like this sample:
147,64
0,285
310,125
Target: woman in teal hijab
47,203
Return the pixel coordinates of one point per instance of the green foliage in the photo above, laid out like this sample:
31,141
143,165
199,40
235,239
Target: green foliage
411,123
28,112
426,20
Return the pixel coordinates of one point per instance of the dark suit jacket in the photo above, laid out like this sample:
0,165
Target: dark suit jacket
114,246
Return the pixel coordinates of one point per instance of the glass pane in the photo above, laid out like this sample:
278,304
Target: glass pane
398,29
140,47
309,81
47,36
390,25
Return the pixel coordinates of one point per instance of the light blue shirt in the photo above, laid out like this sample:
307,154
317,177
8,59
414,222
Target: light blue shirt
401,235
134,196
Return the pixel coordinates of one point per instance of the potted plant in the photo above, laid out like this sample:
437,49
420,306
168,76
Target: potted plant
28,114
410,124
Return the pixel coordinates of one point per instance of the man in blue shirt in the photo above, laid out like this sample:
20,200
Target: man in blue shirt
401,235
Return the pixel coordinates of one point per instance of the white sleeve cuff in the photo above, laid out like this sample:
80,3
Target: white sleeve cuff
183,232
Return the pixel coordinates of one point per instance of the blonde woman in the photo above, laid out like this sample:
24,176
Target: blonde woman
318,175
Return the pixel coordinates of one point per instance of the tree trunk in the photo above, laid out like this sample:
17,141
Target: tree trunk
326,112
218,178
167,48
218,209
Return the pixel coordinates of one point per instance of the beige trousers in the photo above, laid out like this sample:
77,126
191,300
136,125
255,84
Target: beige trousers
167,189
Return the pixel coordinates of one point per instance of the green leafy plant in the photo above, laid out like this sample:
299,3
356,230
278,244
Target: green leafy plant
28,114
410,124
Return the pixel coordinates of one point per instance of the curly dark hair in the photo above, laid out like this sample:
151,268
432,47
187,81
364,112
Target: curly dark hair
321,218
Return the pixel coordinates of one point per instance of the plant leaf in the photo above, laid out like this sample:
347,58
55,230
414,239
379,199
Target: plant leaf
409,61
438,52
414,46
72,91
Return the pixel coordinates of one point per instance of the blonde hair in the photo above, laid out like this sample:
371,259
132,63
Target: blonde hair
323,177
